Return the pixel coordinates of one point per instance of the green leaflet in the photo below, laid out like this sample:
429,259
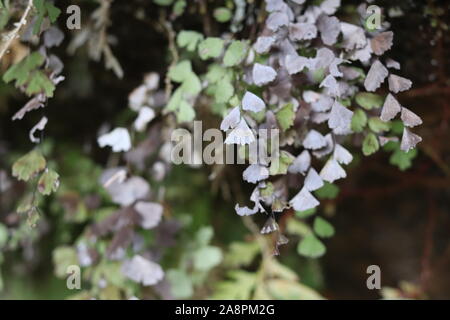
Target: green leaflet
179,7
189,39
239,287
44,8
191,84
181,71
397,127
185,112
28,165
215,73
323,228
21,71
210,48
298,228
328,191
48,182
283,289
175,100
370,144
241,254
280,164
223,14
180,283
235,54
63,257
40,83
4,16
369,100
204,236
224,90
26,204
359,120
311,247
305,214
401,159
26,73
207,258
190,87
378,126
286,116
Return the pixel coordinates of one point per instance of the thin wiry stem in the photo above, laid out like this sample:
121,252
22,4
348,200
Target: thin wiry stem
8,38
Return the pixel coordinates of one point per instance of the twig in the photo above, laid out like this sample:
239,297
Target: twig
15,32
265,251
167,26
204,13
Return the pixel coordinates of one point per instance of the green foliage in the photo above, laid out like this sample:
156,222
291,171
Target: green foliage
286,116
40,83
63,257
21,71
287,290
207,258
370,144
190,87
189,39
235,53
241,254
185,112
401,159
283,285
48,182
210,72
216,72
311,247
239,287
210,48
369,100
198,258
223,14
179,7
377,125
306,213
181,72
3,236
223,90
323,228
44,9
26,73
328,191
397,127
29,165
4,14
280,164
181,284
298,228
359,120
